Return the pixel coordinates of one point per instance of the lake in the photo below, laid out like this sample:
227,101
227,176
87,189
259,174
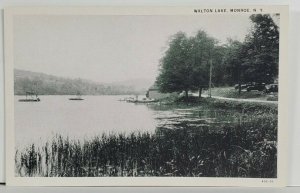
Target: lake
37,121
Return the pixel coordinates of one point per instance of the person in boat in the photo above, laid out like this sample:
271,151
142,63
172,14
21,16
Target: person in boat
37,98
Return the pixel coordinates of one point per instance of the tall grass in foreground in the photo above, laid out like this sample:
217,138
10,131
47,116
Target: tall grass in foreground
244,149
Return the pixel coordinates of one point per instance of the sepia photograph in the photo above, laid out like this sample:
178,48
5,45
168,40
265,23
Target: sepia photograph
144,95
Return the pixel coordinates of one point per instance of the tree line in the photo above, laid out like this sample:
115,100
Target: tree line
187,62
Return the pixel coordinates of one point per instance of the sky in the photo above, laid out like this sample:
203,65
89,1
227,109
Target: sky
109,48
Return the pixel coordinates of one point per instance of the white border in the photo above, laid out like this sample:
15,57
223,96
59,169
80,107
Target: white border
140,181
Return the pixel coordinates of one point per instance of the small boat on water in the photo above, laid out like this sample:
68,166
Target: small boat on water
30,97
137,100
145,100
127,99
77,98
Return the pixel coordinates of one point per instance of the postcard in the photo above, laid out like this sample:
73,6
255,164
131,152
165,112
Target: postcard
146,96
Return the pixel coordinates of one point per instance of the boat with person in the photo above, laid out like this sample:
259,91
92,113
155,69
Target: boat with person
77,98
30,97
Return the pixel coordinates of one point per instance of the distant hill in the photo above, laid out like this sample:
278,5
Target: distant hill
138,84
45,84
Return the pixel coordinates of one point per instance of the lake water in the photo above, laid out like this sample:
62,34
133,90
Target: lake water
37,121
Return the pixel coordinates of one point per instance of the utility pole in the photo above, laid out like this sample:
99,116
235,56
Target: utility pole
210,73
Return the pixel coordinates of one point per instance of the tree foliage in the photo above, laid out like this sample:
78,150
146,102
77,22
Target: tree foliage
186,63
203,52
175,69
260,51
232,61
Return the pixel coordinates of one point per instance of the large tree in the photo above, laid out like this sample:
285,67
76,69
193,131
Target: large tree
232,62
260,51
203,55
185,65
175,70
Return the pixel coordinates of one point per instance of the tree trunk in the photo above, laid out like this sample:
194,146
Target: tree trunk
240,88
186,94
200,92
239,78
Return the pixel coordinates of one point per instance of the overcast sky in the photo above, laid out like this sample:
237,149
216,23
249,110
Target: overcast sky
109,48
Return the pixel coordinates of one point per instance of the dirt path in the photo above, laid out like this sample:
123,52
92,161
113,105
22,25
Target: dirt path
242,100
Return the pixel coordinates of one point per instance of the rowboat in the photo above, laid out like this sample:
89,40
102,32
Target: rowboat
77,98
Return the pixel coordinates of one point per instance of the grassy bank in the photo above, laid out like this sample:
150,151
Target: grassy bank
217,104
247,148
230,92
